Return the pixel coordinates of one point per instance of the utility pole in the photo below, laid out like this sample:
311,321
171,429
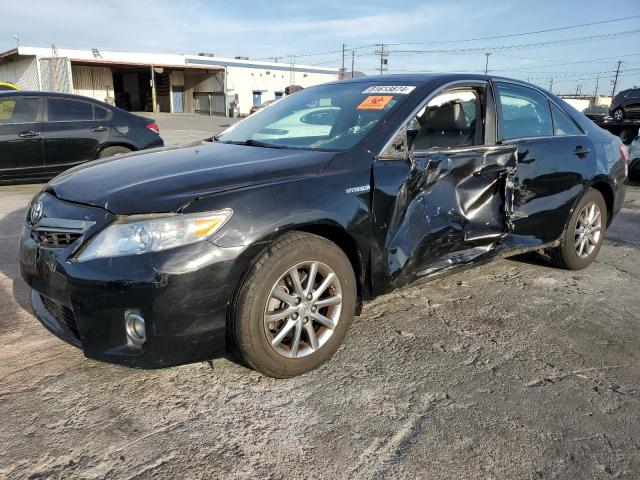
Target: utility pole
153,90
353,62
275,59
383,57
342,70
615,80
486,63
595,92
16,37
551,85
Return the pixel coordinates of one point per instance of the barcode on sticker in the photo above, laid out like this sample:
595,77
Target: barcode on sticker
393,89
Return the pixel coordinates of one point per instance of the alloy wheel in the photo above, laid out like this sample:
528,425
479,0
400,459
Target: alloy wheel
618,115
588,230
303,309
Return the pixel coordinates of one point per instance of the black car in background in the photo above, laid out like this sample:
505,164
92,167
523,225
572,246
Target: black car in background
596,113
268,240
626,104
43,134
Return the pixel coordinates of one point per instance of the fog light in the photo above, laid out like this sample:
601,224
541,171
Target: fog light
136,330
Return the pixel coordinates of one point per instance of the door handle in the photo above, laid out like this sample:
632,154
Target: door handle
98,129
581,152
29,134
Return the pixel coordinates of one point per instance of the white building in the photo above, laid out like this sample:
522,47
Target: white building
179,83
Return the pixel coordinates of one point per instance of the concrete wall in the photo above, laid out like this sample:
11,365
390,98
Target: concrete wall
22,72
243,82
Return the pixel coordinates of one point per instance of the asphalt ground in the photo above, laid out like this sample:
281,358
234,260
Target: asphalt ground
510,370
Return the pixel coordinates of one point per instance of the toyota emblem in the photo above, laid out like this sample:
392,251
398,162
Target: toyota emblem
36,213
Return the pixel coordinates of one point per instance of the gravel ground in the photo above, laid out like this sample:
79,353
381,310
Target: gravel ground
510,370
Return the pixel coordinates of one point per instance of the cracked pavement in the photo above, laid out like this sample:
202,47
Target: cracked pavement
510,370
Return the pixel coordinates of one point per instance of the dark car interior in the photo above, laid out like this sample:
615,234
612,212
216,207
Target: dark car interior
448,125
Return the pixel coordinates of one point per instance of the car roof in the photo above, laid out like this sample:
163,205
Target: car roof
420,79
35,93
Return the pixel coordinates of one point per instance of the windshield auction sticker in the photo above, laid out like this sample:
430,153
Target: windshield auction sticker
375,102
393,89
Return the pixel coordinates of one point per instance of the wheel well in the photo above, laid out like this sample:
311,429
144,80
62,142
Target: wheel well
348,245
607,192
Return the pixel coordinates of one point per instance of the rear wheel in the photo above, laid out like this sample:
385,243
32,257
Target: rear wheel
110,151
584,235
295,306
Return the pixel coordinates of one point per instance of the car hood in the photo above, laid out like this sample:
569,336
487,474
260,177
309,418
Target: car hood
167,179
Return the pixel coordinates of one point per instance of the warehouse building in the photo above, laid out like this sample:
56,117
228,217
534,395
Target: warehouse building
155,82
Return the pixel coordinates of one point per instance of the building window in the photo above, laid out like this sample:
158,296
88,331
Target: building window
279,95
257,97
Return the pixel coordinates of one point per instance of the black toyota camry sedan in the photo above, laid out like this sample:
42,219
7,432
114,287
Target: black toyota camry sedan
265,241
43,134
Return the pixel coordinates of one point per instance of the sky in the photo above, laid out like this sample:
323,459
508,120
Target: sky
420,36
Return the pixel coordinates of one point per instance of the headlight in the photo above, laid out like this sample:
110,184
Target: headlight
144,233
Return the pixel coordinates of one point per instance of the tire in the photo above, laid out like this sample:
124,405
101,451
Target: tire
627,136
110,151
567,254
618,114
252,336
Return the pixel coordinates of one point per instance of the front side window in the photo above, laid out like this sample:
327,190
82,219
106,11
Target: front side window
634,94
450,119
524,112
63,110
562,124
327,117
18,110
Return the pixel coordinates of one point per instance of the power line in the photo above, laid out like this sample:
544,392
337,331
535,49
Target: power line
494,37
525,46
511,35
594,60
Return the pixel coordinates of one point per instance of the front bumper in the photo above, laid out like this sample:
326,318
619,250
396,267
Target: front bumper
183,294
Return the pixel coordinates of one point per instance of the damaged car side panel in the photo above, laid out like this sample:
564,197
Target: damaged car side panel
441,210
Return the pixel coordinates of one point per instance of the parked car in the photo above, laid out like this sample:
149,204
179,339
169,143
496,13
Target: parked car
8,86
626,104
255,108
634,158
43,134
596,113
269,247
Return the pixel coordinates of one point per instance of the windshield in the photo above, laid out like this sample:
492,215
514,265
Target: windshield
327,117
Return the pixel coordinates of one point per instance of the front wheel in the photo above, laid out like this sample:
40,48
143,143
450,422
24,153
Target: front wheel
295,306
584,235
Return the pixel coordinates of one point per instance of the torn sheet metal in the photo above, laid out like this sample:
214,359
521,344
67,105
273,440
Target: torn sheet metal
451,209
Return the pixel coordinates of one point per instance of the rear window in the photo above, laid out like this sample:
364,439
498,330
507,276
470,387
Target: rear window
63,110
100,113
562,124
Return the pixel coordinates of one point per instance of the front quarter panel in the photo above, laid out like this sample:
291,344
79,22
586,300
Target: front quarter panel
338,196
